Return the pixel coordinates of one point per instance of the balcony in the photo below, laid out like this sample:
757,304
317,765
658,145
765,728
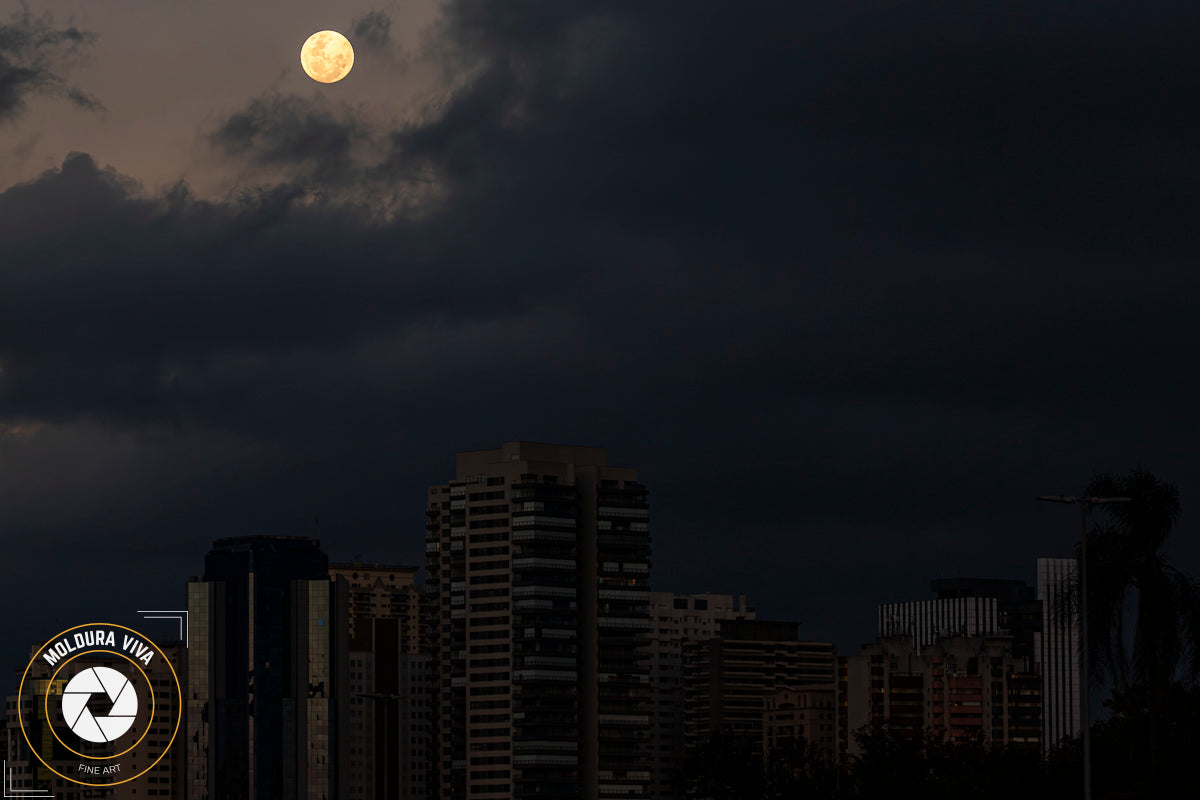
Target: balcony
538,675
623,512
531,519
544,563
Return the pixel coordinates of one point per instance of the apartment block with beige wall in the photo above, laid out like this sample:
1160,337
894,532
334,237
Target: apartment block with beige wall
728,677
805,714
389,710
383,591
677,618
961,688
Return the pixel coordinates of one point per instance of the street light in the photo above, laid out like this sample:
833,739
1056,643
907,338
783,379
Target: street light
387,756
1085,685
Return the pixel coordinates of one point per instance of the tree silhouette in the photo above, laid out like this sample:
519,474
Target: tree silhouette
724,766
899,763
1126,559
797,768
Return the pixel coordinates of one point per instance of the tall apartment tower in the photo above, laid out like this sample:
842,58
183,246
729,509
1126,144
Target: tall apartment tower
677,618
267,673
1057,647
539,560
388,734
729,678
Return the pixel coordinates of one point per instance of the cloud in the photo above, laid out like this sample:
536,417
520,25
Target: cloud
57,475
373,29
878,171
849,274
793,200
138,288
277,129
332,152
33,53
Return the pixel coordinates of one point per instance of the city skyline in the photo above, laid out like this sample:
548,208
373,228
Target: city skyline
849,284
535,661
754,675
858,632
966,602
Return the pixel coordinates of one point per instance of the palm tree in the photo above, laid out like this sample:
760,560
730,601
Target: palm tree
1125,558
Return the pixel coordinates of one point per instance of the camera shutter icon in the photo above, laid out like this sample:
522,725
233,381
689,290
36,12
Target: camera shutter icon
118,689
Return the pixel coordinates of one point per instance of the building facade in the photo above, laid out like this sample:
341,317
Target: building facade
1058,650
805,714
1018,609
926,621
676,618
538,558
383,591
267,673
388,734
727,677
970,607
959,688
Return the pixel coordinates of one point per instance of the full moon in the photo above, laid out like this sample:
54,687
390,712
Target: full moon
327,56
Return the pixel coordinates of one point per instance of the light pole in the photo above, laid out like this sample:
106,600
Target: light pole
387,756
1085,684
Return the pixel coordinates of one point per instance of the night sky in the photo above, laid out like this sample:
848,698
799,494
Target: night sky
848,282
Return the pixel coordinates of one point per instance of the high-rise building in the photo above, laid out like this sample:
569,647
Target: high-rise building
727,678
1018,609
539,561
926,621
969,607
677,618
414,713
960,688
1057,648
168,772
267,673
388,733
383,591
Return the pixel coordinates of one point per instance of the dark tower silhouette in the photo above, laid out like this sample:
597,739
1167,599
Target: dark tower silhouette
267,672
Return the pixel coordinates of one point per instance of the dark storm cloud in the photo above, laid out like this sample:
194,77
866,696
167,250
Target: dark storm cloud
33,54
276,129
809,202
373,29
843,280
